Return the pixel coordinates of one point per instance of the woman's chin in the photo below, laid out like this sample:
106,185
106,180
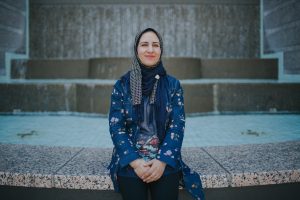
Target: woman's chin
150,64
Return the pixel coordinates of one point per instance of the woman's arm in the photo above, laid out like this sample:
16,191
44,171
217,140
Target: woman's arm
171,146
117,127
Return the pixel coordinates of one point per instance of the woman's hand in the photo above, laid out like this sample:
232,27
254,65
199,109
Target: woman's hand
139,166
156,170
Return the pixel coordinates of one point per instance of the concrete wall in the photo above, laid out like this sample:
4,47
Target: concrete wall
207,29
12,29
281,31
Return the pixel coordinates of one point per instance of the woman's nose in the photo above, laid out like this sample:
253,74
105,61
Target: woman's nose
150,48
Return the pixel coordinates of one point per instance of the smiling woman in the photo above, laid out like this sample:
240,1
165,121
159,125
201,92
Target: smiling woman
147,122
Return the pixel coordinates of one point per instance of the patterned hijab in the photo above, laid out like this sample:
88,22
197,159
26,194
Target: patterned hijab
150,82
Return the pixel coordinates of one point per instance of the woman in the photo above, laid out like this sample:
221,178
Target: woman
146,123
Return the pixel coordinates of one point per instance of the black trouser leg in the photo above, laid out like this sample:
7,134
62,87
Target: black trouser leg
133,188
166,188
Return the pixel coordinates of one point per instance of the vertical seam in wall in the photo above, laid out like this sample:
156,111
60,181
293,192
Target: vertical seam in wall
27,28
75,98
215,98
261,29
67,88
229,174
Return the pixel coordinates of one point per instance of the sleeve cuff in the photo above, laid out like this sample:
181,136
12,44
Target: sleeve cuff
125,160
167,159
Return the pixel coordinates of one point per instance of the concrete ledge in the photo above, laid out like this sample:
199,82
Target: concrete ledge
115,67
200,96
85,168
50,69
239,68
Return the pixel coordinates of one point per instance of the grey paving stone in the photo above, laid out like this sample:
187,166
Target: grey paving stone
31,166
260,164
34,159
90,161
211,173
87,170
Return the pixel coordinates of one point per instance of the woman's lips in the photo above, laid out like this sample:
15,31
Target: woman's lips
150,57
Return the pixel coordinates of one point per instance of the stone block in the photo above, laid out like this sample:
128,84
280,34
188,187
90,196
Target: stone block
49,69
258,97
115,67
108,68
239,68
291,62
93,98
183,68
198,98
37,97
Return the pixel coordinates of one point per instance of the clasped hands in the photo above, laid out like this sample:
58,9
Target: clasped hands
148,171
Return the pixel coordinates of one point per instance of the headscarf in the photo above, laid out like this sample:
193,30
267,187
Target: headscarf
149,81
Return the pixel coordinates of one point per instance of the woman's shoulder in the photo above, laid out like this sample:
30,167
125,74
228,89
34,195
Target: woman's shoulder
123,81
173,81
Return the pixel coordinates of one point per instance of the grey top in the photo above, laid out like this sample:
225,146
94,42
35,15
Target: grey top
147,141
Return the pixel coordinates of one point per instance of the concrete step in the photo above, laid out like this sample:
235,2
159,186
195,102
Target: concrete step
201,96
113,68
234,172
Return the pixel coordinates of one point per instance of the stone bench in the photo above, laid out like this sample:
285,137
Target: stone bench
85,168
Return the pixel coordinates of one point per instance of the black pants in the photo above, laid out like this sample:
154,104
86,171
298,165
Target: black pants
165,188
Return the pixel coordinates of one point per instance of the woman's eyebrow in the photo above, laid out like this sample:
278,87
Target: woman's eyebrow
148,42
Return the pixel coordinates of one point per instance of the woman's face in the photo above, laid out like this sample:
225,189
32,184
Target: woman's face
149,49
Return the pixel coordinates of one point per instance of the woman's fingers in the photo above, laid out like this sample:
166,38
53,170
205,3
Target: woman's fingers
149,163
153,174
151,171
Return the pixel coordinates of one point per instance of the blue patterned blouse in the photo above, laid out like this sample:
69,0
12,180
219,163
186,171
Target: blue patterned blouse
123,129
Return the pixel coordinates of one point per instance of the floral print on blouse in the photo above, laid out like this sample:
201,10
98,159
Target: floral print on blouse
146,140
123,129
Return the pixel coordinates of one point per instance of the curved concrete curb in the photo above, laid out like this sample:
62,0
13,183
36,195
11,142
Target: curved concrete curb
85,168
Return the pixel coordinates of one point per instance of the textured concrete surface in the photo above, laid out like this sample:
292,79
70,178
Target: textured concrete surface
115,67
32,166
212,174
260,164
12,32
93,98
258,97
239,68
207,30
84,168
50,69
281,29
200,96
37,97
